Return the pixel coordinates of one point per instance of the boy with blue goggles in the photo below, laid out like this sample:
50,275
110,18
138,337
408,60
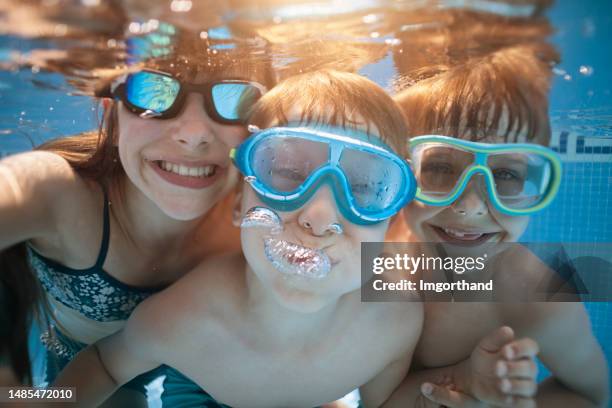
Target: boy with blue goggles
286,166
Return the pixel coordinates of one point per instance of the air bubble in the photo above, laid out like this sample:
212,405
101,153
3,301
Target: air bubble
586,70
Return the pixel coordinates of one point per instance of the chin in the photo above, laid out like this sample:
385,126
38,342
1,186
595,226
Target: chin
298,299
180,212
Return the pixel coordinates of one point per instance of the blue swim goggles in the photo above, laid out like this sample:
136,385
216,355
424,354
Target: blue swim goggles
521,178
286,165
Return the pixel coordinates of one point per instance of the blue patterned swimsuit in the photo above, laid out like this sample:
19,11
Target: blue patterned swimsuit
93,298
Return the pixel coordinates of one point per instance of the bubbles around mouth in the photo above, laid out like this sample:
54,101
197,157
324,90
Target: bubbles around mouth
262,217
297,260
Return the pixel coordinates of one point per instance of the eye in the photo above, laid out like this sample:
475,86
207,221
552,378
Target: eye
359,188
367,188
438,168
507,175
289,173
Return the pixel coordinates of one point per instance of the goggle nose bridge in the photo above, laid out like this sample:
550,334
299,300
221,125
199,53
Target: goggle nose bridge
467,177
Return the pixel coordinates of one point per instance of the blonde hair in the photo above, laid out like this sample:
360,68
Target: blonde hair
503,93
332,97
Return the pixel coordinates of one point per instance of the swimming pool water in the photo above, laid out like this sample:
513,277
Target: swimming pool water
581,111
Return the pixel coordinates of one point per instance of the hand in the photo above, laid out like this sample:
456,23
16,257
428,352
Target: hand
500,372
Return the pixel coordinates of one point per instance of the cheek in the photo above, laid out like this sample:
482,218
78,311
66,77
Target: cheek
232,136
416,213
135,133
358,234
514,226
249,199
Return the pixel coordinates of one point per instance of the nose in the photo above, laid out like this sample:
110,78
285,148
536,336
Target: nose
319,216
473,200
195,129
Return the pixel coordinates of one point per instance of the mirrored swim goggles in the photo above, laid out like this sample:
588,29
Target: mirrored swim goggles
521,178
286,165
159,95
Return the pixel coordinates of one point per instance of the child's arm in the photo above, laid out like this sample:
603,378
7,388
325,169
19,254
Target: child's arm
490,377
35,189
100,369
570,351
377,391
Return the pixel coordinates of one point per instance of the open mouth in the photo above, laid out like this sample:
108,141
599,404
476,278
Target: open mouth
458,236
186,176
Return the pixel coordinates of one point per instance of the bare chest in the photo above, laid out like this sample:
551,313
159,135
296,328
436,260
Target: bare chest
165,263
452,330
242,375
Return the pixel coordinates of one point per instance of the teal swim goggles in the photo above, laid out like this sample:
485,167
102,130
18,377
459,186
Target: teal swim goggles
286,165
521,178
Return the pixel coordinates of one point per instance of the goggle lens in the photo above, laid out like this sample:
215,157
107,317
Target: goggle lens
149,91
439,168
285,163
375,182
233,100
521,179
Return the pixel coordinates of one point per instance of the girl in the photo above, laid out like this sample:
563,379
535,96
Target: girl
111,217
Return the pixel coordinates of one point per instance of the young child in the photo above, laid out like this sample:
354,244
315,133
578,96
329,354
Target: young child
283,324
145,189
500,98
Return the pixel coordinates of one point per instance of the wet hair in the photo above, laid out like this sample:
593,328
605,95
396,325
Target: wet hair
333,98
500,94
438,39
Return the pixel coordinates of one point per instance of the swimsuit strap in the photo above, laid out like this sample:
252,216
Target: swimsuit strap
105,232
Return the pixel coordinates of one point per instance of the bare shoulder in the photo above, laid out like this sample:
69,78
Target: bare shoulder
522,275
195,301
402,320
546,320
216,274
44,178
38,190
38,167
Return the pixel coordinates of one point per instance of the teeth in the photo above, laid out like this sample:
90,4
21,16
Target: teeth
205,171
454,233
461,234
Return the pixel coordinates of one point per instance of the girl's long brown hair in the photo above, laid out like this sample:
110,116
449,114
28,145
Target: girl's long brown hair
95,157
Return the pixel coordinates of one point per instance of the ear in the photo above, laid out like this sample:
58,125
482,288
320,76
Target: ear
237,206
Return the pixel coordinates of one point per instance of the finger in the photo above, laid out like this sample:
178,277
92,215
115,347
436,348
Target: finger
495,340
524,368
522,348
521,388
447,397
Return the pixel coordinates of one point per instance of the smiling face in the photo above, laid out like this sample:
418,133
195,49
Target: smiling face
181,164
472,219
